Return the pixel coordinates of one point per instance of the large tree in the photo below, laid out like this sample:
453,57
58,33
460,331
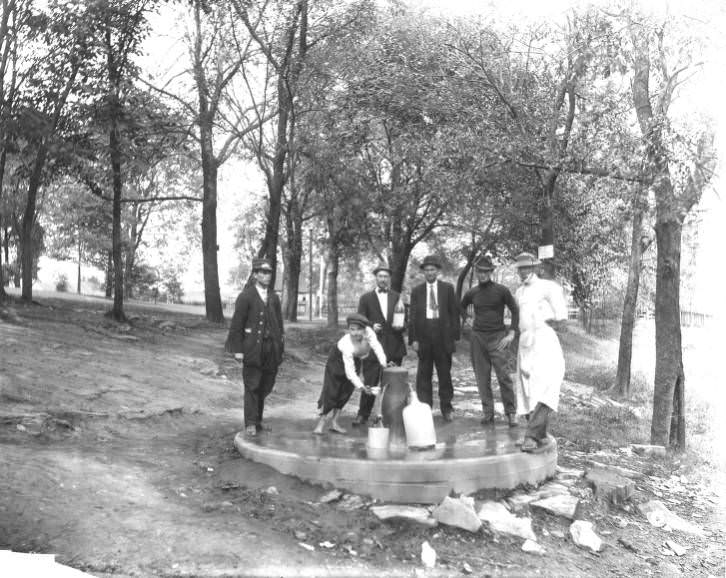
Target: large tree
659,68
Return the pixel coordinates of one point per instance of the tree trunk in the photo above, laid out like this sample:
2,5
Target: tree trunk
627,323
26,230
212,296
294,229
332,306
114,146
669,377
80,246
276,183
109,274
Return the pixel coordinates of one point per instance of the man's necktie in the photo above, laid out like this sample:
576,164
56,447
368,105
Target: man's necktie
432,301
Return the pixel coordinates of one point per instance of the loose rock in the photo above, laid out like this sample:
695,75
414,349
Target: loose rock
658,515
584,536
532,547
648,450
459,513
560,505
502,521
676,547
428,555
413,513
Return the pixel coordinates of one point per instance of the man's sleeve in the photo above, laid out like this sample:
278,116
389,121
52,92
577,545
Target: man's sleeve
455,313
511,304
237,326
412,318
362,305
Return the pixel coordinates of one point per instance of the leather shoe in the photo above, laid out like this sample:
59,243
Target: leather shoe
487,420
529,445
359,421
448,416
263,428
251,431
512,419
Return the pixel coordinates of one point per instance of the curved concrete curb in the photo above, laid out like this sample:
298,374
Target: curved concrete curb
418,477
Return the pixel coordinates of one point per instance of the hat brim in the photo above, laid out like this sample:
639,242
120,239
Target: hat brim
481,268
379,269
519,265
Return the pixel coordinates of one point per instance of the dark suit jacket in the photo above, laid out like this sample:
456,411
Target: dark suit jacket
391,339
248,321
448,315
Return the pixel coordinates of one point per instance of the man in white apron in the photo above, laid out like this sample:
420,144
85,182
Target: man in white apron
540,364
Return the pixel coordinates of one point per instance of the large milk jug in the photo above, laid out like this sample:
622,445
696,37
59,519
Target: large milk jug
418,422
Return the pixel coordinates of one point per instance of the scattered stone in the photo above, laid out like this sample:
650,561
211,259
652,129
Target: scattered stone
327,545
560,505
351,502
306,546
627,544
466,569
676,547
558,534
659,516
413,513
552,489
300,535
609,485
649,450
519,503
584,536
428,555
568,473
459,513
532,547
331,496
272,491
502,521
626,472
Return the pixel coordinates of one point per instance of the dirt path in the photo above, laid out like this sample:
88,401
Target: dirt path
117,455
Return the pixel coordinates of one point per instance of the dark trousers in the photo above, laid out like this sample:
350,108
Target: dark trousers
258,382
538,421
432,352
484,356
365,405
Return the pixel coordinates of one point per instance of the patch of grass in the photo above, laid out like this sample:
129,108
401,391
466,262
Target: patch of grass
602,427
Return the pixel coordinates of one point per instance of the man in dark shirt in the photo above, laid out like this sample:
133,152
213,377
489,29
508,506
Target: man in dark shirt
490,339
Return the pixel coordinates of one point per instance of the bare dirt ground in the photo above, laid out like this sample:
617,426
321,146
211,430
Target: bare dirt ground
116,454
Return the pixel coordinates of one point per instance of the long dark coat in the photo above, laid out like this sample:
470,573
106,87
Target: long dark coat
247,326
448,315
391,339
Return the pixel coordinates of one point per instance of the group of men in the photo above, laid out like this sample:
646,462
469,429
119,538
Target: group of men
433,325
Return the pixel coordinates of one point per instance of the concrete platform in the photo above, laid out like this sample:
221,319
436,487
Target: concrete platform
467,458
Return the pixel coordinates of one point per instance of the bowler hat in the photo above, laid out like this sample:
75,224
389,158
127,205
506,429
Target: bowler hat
526,260
431,260
382,267
484,263
258,264
357,319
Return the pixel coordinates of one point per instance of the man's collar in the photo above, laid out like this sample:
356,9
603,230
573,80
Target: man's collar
379,290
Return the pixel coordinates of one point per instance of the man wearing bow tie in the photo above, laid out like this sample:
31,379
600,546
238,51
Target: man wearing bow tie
433,329
379,306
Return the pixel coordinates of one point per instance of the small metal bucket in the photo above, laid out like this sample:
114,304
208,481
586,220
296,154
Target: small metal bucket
378,437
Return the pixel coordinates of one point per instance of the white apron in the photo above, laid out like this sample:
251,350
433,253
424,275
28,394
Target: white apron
540,364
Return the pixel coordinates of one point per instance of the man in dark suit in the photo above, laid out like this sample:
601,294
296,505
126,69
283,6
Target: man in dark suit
256,338
384,309
433,329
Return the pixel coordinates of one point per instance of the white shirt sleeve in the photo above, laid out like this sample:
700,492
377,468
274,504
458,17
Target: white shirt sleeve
346,349
556,299
376,346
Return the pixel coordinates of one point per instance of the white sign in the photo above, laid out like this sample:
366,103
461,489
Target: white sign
545,251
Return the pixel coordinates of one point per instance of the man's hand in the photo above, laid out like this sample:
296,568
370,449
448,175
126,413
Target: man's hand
377,327
414,346
239,356
391,364
505,341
